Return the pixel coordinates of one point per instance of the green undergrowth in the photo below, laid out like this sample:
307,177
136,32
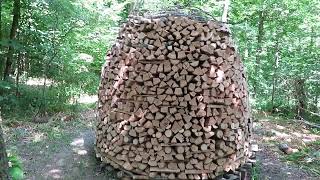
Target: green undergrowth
31,101
256,171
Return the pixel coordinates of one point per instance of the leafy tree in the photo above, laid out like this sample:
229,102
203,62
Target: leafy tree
64,42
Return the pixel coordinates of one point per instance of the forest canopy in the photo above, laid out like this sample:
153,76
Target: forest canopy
52,50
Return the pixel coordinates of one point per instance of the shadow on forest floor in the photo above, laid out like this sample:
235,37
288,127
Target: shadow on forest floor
304,160
58,150
64,150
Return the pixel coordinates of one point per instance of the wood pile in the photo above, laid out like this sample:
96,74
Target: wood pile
173,100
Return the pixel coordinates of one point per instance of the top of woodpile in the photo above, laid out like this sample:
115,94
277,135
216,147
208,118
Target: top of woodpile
154,9
195,14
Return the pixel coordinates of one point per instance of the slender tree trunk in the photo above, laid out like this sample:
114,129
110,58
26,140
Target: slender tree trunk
259,49
0,20
224,17
13,33
315,102
300,98
18,72
314,105
4,167
274,78
1,56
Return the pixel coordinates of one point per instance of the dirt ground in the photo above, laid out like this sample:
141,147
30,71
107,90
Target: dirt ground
64,150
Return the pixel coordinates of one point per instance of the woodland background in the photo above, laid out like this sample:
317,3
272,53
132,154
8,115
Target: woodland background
62,43
52,51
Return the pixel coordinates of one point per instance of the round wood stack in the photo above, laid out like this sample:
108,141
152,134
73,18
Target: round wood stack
173,100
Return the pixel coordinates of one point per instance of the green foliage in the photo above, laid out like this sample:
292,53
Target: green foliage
256,171
62,41
315,131
27,103
15,167
289,31
66,41
298,156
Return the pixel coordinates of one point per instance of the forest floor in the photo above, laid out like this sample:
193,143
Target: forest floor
64,149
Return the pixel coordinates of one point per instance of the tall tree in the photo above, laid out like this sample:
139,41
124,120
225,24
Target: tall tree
1,57
13,34
224,17
274,76
0,20
259,49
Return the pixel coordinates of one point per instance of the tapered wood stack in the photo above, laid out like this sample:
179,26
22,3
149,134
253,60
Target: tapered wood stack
173,100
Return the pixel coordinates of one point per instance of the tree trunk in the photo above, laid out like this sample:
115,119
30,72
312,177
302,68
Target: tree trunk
315,104
4,168
300,98
18,72
0,20
224,17
274,78
13,33
1,56
259,49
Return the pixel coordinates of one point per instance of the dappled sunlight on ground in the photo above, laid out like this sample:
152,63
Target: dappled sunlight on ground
296,134
55,173
58,149
78,146
37,137
87,99
65,149
78,142
270,133
85,57
39,82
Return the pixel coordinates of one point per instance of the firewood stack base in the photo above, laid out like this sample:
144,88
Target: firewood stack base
173,100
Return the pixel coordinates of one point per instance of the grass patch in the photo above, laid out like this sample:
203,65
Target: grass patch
15,166
315,131
31,101
256,171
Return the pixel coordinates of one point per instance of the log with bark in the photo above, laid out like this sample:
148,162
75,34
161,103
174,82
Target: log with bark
173,100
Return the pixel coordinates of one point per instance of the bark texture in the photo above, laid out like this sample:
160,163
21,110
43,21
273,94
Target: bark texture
13,34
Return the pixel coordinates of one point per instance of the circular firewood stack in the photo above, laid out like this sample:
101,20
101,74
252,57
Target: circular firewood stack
173,100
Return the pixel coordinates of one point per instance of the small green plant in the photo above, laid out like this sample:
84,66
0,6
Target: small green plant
15,167
316,143
256,171
315,131
298,156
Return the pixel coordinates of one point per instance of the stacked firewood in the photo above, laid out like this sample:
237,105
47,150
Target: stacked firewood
173,100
